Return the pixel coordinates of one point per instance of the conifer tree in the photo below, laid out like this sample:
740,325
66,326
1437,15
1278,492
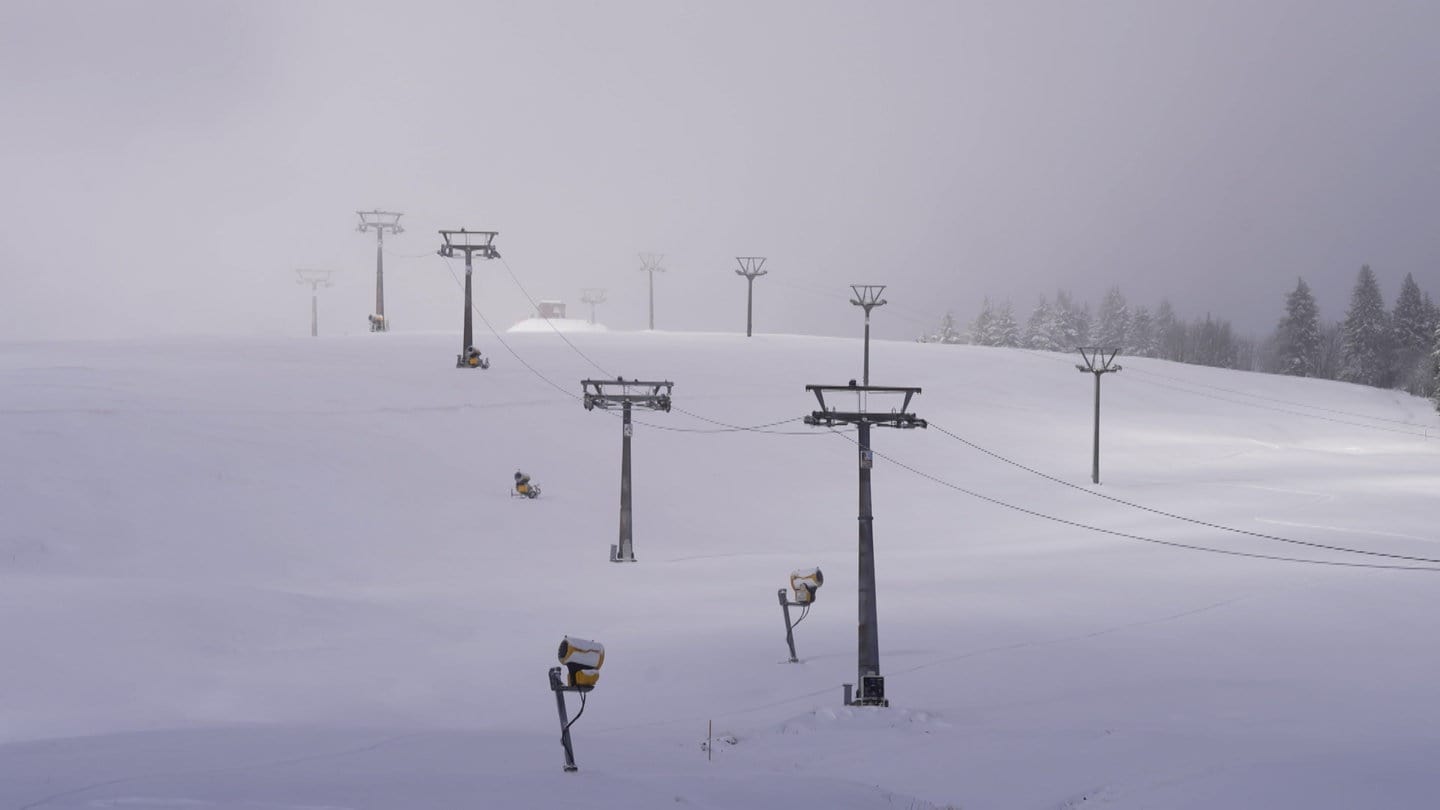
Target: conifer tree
1298,335
1143,340
1072,322
947,332
1003,328
1366,347
1170,332
1332,350
980,328
1411,319
1412,334
1113,326
1214,343
1037,329
1435,369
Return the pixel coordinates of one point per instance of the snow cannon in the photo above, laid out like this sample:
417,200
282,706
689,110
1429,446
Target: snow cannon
377,323
805,582
582,660
471,358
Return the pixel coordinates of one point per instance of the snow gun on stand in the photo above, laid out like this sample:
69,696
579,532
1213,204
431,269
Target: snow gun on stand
471,358
579,670
378,324
805,582
524,487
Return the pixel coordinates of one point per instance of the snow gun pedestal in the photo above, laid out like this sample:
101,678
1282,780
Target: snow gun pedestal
379,324
580,661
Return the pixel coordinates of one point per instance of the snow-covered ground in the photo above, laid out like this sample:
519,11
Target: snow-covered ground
288,573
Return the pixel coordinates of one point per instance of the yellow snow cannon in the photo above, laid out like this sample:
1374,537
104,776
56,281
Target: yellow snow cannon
582,660
805,582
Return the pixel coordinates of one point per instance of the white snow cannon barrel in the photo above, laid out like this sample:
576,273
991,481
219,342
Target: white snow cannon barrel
582,660
805,582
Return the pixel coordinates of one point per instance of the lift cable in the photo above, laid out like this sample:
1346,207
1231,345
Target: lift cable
725,426
1196,521
552,326
1192,386
1129,536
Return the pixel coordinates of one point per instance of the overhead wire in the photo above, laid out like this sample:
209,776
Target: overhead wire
1128,535
725,427
1342,412
552,326
1034,513
904,312
557,386
1191,386
393,254
1172,515
1290,412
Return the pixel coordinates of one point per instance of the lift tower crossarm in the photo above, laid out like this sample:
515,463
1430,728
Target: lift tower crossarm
609,394
830,417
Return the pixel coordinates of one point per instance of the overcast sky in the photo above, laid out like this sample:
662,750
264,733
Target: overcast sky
166,166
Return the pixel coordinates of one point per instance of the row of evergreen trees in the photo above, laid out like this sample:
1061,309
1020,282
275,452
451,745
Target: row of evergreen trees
1397,348
1062,323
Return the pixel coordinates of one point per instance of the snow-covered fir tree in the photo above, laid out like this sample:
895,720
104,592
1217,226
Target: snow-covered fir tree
980,328
1112,326
1297,337
1212,342
1412,335
1411,318
946,332
1332,351
1038,329
1435,369
1143,341
1367,334
1170,332
1004,331
1071,322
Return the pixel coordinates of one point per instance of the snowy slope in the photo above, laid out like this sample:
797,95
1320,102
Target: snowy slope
288,573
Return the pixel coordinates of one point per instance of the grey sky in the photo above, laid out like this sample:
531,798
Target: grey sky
166,165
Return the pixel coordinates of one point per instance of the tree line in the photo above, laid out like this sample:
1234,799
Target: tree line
1371,345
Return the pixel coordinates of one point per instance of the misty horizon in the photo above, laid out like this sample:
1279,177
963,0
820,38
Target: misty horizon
172,164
